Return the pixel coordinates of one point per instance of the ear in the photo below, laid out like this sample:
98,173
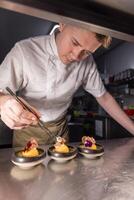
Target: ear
61,27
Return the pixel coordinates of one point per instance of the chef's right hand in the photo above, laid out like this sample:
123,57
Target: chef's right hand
14,115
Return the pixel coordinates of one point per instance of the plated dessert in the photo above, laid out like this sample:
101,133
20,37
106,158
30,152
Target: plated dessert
30,156
89,142
89,148
62,152
30,149
60,146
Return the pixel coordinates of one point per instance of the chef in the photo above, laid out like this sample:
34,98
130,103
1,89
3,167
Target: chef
45,72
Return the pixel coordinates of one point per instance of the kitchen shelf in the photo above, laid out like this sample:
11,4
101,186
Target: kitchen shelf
129,82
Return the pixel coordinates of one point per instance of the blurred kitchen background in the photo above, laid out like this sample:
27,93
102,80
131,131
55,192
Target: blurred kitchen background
85,116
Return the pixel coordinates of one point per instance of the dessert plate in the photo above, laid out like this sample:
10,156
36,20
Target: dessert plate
28,162
62,157
91,153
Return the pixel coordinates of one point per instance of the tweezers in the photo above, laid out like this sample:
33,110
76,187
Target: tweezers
40,123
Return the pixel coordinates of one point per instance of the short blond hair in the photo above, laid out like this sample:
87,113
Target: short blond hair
104,39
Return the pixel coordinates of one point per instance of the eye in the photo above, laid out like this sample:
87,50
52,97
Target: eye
74,43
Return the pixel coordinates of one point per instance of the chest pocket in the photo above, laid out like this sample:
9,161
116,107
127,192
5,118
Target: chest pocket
36,89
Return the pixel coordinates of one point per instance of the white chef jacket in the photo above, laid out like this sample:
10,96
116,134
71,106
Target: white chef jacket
33,69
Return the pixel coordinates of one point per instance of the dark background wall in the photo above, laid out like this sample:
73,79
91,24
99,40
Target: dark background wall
15,26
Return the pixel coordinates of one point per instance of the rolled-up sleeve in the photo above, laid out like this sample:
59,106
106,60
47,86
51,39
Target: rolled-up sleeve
92,81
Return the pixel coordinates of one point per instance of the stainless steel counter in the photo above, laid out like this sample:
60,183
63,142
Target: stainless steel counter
110,177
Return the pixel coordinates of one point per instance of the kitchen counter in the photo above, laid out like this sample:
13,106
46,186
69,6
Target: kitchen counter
110,177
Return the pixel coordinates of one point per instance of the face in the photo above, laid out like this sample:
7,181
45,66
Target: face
75,44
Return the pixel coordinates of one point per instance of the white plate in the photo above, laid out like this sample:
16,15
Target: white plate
27,162
27,165
91,156
62,160
62,157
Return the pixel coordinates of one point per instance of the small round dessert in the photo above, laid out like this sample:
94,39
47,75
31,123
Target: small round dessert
91,152
89,148
30,153
62,156
26,160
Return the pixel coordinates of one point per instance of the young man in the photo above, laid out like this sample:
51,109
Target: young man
46,71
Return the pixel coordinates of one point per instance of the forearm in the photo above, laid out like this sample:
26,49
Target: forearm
113,109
